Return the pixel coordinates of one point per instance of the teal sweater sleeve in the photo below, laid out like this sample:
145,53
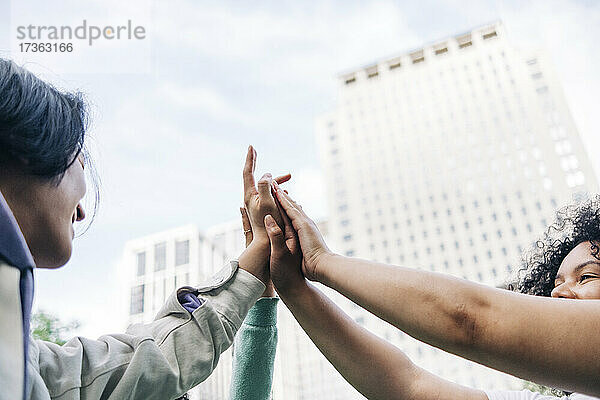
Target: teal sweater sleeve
254,352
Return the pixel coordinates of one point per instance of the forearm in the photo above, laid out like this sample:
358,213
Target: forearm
431,307
255,259
518,334
373,366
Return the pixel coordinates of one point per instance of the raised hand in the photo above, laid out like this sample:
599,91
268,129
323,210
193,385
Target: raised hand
259,202
313,247
270,290
286,255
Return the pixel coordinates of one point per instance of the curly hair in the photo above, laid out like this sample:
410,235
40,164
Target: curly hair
574,224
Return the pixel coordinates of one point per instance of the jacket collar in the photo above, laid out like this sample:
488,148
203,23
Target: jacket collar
13,248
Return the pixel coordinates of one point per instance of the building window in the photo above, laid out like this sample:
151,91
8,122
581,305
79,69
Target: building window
137,300
489,35
348,79
372,72
441,50
417,57
464,41
141,263
395,63
182,252
160,256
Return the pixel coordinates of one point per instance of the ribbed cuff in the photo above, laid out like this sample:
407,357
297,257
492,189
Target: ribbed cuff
263,313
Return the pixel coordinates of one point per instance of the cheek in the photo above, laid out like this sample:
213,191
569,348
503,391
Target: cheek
591,290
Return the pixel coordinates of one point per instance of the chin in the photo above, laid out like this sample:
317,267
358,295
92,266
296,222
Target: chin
54,257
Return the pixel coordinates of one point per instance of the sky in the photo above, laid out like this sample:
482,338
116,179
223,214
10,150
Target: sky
172,115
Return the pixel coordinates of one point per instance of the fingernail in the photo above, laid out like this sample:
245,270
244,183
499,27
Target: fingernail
269,221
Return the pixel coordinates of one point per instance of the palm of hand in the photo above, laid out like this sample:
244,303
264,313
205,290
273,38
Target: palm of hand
259,202
257,210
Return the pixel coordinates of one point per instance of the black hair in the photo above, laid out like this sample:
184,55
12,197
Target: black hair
42,128
574,224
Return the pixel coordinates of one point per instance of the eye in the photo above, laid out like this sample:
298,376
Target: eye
585,277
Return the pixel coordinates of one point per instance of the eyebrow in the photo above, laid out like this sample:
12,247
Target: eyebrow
580,267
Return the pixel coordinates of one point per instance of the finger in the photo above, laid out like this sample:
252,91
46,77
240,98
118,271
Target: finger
283,178
275,237
248,174
286,201
264,186
288,229
246,226
289,233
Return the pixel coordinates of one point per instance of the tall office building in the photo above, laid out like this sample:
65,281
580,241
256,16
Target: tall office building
450,158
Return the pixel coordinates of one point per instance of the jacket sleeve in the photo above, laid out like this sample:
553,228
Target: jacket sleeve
160,360
254,353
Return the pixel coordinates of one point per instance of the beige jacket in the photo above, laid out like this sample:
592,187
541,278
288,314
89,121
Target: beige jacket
160,360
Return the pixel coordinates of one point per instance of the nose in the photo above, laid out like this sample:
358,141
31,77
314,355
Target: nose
80,213
563,291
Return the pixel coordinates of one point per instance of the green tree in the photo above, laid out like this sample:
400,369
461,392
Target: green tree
50,328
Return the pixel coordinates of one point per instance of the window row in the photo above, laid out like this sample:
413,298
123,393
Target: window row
182,256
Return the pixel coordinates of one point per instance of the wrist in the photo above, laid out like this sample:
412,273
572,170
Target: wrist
261,237
269,291
255,259
261,242
323,267
292,291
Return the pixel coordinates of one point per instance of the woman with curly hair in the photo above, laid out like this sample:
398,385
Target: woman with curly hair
550,338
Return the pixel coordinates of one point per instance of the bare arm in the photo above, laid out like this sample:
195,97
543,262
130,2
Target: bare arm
373,366
550,341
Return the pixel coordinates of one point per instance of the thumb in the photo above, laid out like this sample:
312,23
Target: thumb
276,236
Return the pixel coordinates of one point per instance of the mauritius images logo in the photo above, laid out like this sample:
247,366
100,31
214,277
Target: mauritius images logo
90,33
